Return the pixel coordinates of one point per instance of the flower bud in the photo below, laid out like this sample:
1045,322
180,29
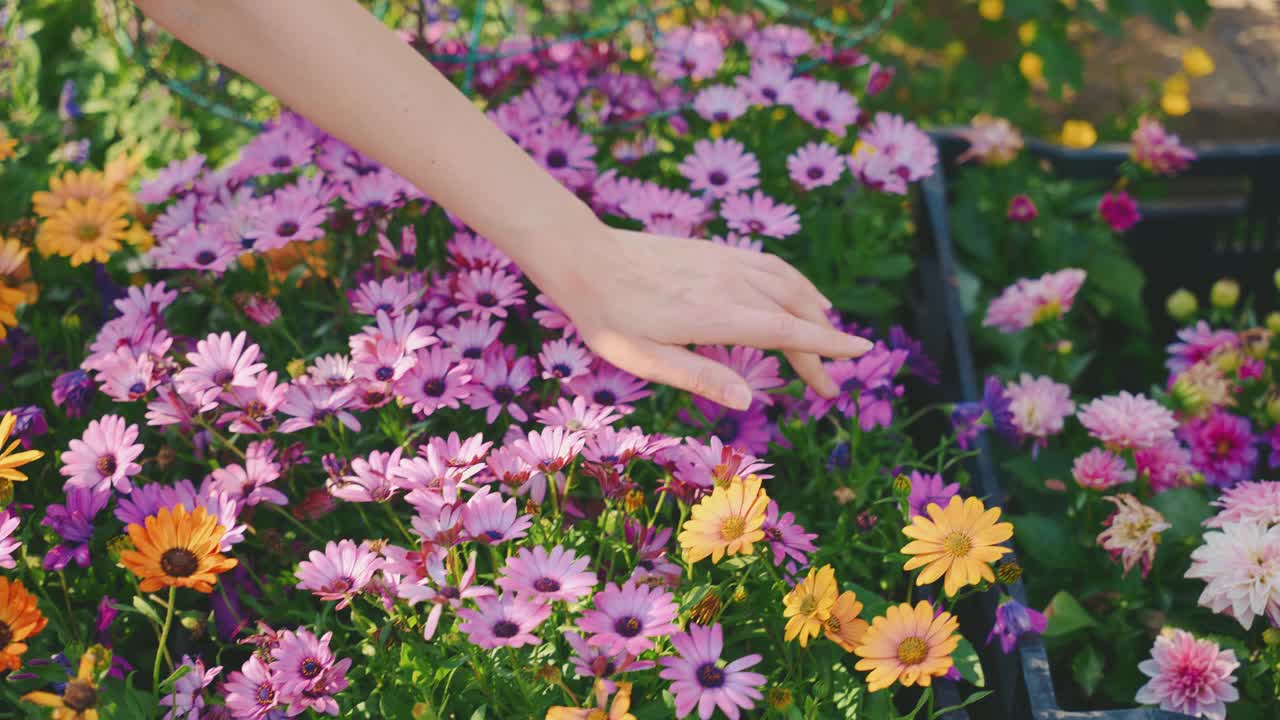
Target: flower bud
634,500
779,698
1273,406
117,546
1182,304
1065,347
71,322
1271,636
902,485
1225,294
705,612
296,368
550,674
844,495
1008,572
1187,396
6,492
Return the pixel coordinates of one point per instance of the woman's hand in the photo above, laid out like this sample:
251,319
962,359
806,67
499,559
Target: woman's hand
639,299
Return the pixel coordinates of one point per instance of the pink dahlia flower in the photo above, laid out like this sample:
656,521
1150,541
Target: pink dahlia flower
1189,676
1128,421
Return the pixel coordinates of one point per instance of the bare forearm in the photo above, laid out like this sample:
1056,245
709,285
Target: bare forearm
333,62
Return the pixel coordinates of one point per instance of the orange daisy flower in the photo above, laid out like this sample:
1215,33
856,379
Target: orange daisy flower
959,541
908,645
844,627
20,618
177,548
73,185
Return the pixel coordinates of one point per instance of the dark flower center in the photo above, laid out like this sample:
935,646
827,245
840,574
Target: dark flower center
557,159
247,242
178,562
373,397
720,116
486,299
546,585
281,161
79,696
6,634
710,676
204,257
433,387
222,377
815,172
755,226
769,93
384,373
493,535
450,592
309,668
266,694
407,260
627,626
505,629
475,352
646,564
504,394
717,177
561,370
137,388
255,408
726,428
773,534
107,465
610,667
605,397
386,307
851,385
823,116
287,228
341,585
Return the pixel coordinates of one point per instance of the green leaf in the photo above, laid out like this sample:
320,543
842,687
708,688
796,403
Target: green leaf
166,685
1086,667
1184,508
141,605
1046,540
968,663
873,603
888,267
1066,615
480,713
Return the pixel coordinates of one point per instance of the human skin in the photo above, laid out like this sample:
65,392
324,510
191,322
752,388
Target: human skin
637,299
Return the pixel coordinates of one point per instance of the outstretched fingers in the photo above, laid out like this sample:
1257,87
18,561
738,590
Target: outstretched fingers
680,368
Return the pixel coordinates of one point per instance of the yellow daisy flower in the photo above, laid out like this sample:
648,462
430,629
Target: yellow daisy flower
726,522
79,700
15,285
908,645
617,711
844,627
88,231
10,461
8,146
808,605
73,185
1079,134
960,541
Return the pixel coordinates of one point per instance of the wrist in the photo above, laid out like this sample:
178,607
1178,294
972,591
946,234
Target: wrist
559,253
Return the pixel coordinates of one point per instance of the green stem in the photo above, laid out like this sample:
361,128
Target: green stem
298,523
399,523
164,639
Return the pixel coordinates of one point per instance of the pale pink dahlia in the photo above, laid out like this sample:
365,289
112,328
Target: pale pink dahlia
1030,302
1128,421
1256,501
1241,564
1132,533
1189,676
1039,406
1099,469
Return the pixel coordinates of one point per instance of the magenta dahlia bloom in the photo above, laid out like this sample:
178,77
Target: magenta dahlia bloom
929,489
219,363
1222,447
1022,209
306,673
720,167
1127,421
759,214
504,621
1256,501
815,165
1039,407
1158,150
436,381
720,103
1189,676
547,576
1196,343
891,153
684,52
626,618
787,539
103,458
1101,469
824,105
1165,465
698,679
499,383
250,692
491,520
339,573
564,360
1119,210
1030,302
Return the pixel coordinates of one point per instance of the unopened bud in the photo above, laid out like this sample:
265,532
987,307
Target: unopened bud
705,612
902,485
1008,572
1271,636
117,546
71,322
634,500
1273,322
296,368
1065,347
1182,304
779,698
531,507
549,673
6,492
1225,294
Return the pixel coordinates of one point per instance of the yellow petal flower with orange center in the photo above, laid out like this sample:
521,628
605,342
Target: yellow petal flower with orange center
960,542
10,461
617,711
844,627
809,604
82,185
177,548
20,618
79,699
88,231
726,522
908,645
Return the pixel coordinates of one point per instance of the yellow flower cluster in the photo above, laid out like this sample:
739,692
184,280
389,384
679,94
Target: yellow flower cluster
817,606
85,214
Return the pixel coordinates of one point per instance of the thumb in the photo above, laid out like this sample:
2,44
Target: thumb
680,368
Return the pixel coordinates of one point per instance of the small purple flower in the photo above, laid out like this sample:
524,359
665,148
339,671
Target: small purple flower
68,108
839,457
786,538
918,361
74,523
929,488
971,418
1119,210
72,391
1013,620
29,423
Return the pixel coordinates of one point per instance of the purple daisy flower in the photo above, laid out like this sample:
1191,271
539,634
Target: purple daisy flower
787,539
339,573
104,456
491,520
929,488
306,673
720,167
815,165
625,618
74,523
1013,620
506,621
759,214
699,680
549,576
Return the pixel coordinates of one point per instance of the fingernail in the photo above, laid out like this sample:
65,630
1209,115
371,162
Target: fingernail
861,346
826,303
738,397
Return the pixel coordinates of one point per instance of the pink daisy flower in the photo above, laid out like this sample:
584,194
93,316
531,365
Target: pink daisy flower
698,679
176,217
578,415
824,105
373,196
626,618
292,214
307,404
742,242
1127,421
250,483
175,178
437,380
506,621
547,576
219,363
758,214
393,295
779,43
491,520
609,386
458,453
488,292
126,377
209,248
1100,469
403,257
104,456
551,317
471,338
1119,210
815,165
787,539
399,334
563,360
8,543
891,153
867,388
594,662
250,692
306,673
750,430
675,210
762,372
508,468
929,489
684,52
146,302
1039,407
1189,676
1257,501
720,167
1240,564
279,150
548,451
720,103
501,380
767,84
1132,532
1030,302
566,152
187,698
607,446
339,573
434,587
371,480
699,465
468,251
253,410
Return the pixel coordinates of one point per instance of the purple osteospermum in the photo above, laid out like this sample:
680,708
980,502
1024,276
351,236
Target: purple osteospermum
607,385
892,153
1013,620
171,180
676,211
866,387
720,103
564,360
758,214
684,52
768,82
749,429
491,520
625,618
824,105
187,699
72,391
104,456
566,152
308,404
251,691
488,292
594,662
928,488
1119,210
1100,469
219,363
918,361
506,621
281,149
439,591
548,451
290,215
1222,447
720,167
339,573
549,576
699,680
73,522
499,384
470,338
436,381
370,480
580,414
815,165
393,295
787,539
759,370
306,672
